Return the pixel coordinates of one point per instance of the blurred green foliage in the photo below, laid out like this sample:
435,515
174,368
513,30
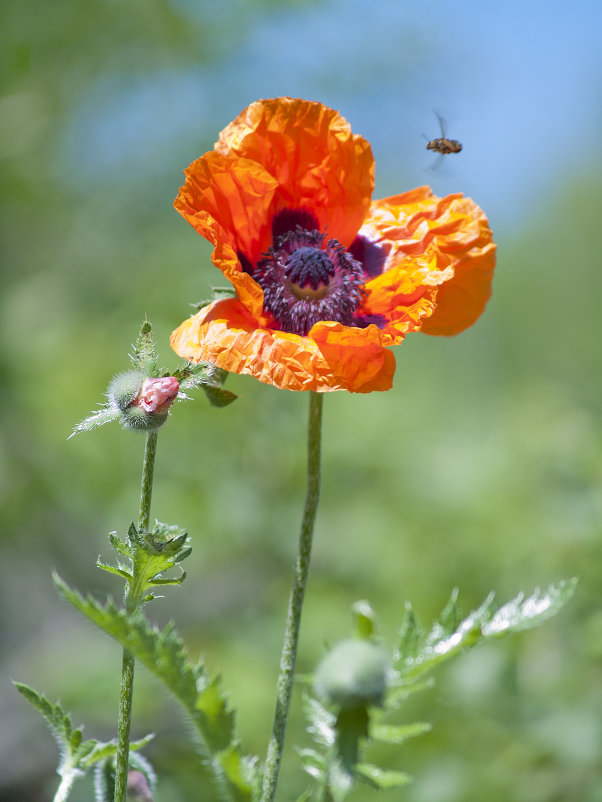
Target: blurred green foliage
481,469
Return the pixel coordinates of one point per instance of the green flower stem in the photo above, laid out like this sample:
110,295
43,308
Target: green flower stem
146,489
132,601
293,621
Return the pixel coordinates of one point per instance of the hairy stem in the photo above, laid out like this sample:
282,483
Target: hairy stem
62,792
131,603
293,621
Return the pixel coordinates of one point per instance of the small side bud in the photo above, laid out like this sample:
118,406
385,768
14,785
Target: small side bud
138,787
352,675
142,401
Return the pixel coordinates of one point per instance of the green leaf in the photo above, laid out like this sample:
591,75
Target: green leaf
440,644
119,545
202,698
450,616
321,722
382,779
150,555
341,779
398,734
521,613
400,692
217,294
409,637
144,356
106,414
313,762
76,755
218,396
112,569
208,377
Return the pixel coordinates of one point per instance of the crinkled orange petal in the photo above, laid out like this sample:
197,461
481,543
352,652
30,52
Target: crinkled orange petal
404,295
316,160
417,222
339,358
229,201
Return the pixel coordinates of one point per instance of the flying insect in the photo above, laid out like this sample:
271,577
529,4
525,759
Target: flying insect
442,145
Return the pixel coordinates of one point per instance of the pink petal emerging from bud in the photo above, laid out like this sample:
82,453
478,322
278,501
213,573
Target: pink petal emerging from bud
157,395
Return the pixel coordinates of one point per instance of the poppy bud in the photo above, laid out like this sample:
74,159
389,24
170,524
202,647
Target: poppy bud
138,787
143,401
352,675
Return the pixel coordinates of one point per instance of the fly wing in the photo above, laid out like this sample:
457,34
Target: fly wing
442,125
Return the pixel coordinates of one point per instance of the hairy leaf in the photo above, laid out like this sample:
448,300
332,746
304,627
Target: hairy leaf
106,414
419,653
76,755
202,697
382,779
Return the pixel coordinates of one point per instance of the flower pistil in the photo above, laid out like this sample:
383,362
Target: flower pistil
307,278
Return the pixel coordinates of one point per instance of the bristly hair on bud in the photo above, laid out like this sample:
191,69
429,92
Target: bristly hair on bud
143,402
140,398
124,388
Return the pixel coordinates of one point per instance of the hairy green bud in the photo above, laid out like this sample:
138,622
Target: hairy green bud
353,674
143,402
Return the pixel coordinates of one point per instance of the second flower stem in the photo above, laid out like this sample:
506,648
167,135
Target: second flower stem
131,603
293,621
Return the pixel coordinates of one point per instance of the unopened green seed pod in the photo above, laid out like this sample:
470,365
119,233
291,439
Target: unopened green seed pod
143,402
353,674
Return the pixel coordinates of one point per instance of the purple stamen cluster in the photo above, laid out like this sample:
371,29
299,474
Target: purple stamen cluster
306,278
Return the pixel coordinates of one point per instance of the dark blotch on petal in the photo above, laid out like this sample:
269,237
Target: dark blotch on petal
365,320
370,255
291,219
246,264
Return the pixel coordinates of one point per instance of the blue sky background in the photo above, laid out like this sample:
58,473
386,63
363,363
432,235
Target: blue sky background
520,84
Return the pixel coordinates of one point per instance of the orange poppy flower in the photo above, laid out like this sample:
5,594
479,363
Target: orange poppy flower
326,280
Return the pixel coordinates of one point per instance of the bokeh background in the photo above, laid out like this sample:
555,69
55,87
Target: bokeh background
480,469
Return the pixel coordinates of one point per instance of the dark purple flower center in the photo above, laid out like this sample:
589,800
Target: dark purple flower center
306,278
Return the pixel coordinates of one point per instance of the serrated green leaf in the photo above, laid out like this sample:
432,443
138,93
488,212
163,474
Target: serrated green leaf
133,535
183,555
482,623
382,779
102,751
76,755
241,774
203,699
219,716
218,396
176,581
409,636
450,616
151,555
398,734
112,569
399,693
340,779
521,613
106,414
321,722
168,532
439,646
312,760
119,545
217,294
